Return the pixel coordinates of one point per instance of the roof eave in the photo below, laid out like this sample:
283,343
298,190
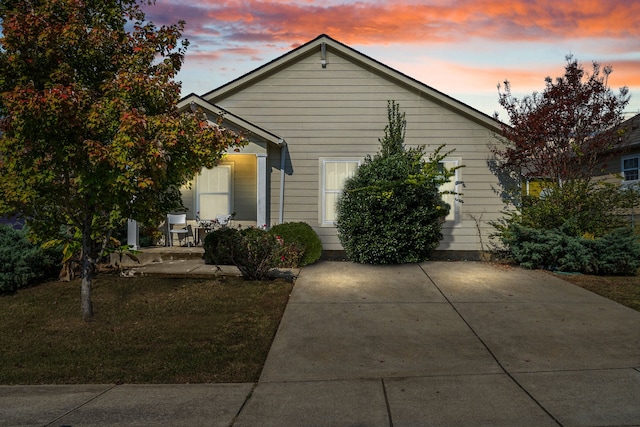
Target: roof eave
194,100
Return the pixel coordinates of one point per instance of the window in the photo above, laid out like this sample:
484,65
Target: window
630,167
333,174
452,186
535,187
214,191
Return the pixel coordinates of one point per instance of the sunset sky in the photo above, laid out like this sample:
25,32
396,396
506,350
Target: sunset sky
462,48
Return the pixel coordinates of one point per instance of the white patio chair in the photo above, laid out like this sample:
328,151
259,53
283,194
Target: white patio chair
177,224
223,220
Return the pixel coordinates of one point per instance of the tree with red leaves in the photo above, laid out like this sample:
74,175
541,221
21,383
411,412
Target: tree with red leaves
567,132
90,131
563,138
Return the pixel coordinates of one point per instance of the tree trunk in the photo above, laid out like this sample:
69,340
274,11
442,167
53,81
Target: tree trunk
87,306
87,276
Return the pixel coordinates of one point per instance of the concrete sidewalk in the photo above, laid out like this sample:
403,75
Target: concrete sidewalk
459,343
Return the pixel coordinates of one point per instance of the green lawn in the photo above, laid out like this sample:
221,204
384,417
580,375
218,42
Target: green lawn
145,330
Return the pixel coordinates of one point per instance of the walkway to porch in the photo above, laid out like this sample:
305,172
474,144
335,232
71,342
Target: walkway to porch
174,261
180,261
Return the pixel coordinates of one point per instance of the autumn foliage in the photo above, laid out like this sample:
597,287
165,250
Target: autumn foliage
563,139
91,134
568,131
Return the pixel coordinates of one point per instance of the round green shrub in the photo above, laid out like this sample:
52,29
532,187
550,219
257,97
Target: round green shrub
617,253
391,211
254,251
303,236
221,245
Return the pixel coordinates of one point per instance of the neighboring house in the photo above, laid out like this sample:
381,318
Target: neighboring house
311,116
629,160
627,164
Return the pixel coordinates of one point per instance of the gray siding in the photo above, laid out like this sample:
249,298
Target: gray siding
341,111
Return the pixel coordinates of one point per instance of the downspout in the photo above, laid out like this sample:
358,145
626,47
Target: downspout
283,158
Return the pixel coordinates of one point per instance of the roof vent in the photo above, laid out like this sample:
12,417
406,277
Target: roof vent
323,54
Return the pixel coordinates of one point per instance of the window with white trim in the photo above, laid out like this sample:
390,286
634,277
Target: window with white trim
453,187
214,190
631,168
333,174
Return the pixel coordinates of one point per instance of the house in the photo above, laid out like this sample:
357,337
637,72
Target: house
629,160
626,164
311,116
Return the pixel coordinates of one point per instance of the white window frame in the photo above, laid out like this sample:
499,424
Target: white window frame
230,166
453,199
322,218
637,169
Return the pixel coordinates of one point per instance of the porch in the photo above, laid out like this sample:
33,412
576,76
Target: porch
176,261
235,188
184,262
239,184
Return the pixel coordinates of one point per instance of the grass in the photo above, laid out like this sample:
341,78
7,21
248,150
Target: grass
145,330
160,330
624,290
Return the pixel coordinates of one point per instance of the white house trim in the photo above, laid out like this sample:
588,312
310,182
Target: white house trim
261,181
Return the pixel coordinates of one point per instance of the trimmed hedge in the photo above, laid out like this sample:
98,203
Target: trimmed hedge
22,263
303,236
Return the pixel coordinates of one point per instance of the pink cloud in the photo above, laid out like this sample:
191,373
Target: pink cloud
226,34
363,22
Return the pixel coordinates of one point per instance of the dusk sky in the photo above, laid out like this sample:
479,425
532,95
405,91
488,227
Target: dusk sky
462,48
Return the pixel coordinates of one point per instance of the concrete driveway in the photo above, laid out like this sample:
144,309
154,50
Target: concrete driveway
448,344
436,344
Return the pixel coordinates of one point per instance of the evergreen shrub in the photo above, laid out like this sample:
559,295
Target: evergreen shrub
23,263
220,246
391,211
254,251
616,253
302,236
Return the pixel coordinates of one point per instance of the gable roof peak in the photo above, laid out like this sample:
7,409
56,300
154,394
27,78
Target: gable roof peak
359,58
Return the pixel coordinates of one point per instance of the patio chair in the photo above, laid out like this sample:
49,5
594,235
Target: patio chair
177,224
223,220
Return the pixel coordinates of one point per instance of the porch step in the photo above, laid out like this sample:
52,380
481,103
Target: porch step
146,256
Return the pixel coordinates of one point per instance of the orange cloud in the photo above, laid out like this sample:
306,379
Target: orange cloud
625,73
203,56
369,22
229,34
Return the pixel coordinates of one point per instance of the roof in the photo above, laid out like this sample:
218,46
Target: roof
364,61
633,126
230,118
